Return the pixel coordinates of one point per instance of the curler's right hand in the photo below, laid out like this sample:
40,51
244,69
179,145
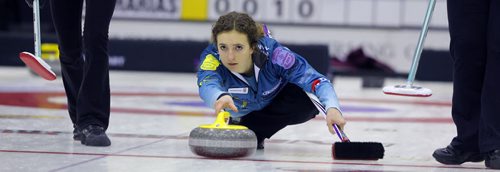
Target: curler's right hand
225,101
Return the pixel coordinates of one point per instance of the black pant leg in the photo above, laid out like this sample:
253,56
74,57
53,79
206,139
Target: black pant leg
468,31
94,98
66,16
86,80
290,106
489,131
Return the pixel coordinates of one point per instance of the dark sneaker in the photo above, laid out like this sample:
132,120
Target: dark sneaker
452,156
260,143
94,135
493,159
77,135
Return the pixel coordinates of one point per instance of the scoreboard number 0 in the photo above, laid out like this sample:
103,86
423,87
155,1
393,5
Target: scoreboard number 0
302,8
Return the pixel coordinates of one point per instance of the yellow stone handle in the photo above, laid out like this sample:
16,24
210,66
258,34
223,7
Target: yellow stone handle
221,123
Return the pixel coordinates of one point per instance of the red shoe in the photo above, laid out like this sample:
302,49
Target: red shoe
37,65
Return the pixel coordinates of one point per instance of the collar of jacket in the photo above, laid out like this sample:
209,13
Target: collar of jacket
259,58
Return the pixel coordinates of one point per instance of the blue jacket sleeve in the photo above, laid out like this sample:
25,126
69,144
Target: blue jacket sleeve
210,82
297,70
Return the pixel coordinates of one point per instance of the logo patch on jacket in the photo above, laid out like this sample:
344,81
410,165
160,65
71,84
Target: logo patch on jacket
210,63
265,93
283,57
243,90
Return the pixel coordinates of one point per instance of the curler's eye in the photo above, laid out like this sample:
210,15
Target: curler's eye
239,47
222,47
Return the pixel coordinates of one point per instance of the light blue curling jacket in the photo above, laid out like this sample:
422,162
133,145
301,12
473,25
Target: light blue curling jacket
274,67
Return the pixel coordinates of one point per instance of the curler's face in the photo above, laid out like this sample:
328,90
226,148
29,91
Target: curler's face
235,51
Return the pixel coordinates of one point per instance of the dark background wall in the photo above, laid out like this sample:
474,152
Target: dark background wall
16,35
148,55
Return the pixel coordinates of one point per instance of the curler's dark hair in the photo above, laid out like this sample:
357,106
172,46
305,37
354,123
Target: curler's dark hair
240,22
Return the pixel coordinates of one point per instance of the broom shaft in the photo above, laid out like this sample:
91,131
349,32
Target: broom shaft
36,23
420,44
342,136
341,133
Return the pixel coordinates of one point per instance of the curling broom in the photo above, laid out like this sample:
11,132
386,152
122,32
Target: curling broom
409,89
350,150
34,62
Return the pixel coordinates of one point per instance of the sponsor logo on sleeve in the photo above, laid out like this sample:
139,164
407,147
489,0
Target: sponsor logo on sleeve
210,63
283,58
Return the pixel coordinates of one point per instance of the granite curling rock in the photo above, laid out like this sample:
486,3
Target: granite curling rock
220,140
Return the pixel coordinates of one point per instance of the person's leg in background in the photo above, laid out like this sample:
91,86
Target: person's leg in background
94,97
86,79
468,27
66,16
489,128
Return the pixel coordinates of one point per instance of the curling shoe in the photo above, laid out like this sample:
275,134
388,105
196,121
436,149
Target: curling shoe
452,156
493,159
77,135
260,143
94,135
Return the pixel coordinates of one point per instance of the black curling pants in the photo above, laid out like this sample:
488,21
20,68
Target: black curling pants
290,106
84,58
475,48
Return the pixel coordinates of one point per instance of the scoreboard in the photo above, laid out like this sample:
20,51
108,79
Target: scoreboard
280,11
365,13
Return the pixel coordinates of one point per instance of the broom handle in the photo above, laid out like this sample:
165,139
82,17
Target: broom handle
421,39
342,136
36,23
267,32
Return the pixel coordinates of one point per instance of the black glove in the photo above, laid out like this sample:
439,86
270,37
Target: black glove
30,3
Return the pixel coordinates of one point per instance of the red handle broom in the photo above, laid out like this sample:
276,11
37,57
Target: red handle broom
34,62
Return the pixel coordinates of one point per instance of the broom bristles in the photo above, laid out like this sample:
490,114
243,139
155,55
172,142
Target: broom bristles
358,150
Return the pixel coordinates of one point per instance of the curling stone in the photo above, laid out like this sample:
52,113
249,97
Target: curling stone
220,140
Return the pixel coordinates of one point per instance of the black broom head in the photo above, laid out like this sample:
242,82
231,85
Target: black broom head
358,150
